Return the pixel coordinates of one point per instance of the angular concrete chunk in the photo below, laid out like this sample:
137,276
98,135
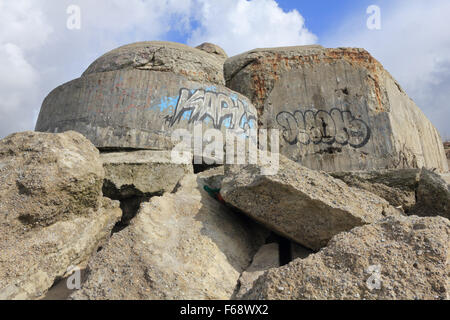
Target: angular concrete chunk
180,246
52,213
306,206
48,177
144,172
398,258
337,109
433,196
398,187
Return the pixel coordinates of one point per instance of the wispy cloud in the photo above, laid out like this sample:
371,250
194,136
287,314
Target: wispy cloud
241,25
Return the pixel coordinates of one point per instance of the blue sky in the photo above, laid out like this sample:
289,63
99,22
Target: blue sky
323,16
39,52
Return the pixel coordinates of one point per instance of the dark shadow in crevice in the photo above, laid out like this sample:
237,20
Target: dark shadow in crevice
204,164
285,244
284,248
130,208
199,168
119,149
130,202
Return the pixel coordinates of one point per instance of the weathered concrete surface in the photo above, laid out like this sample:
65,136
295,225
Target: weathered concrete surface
195,64
52,213
213,49
398,187
48,177
433,196
30,262
446,177
417,191
268,256
447,151
143,172
122,101
180,246
394,259
301,204
338,109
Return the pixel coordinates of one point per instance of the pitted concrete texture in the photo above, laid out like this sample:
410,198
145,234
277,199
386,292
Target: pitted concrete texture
337,109
213,49
140,109
195,64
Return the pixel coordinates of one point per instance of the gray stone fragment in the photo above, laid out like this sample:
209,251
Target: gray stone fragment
433,196
143,172
398,187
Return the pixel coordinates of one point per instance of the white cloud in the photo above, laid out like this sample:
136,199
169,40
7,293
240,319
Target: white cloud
19,79
21,74
38,52
414,46
23,23
241,25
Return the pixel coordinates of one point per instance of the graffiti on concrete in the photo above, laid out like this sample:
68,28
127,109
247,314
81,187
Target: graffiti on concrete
320,126
223,110
405,159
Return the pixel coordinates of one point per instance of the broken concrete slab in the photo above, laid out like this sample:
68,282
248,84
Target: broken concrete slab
398,258
433,196
398,187
30,263
301,204
185,245
142,172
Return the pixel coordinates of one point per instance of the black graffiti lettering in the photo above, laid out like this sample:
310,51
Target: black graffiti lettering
320,126
219,108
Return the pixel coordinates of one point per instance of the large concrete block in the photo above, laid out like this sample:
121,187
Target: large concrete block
137,95
183,245
337,109
301,204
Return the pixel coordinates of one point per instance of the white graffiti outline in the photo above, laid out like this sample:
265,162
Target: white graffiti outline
220,108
